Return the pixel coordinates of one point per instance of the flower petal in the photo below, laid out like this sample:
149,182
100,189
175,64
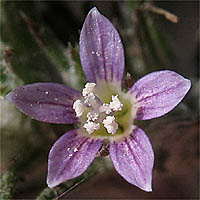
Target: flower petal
133,159
158,93
101,49
48,102
70,156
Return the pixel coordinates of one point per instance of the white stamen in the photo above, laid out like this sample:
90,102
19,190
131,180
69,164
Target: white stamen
115,104
90,99
91,127
78,107
110,124
89,88
103,113
105,108
92,116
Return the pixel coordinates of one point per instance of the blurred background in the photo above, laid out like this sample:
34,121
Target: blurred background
39,43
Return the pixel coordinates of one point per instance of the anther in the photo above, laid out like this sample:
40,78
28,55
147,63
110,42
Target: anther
91,126
90,99
78,107
115,104
105,108
89,88
110,124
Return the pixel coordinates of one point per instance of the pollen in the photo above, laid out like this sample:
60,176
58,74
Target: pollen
95,114
90,99
91,126
105,108
89,88
115,104
110,124
78,107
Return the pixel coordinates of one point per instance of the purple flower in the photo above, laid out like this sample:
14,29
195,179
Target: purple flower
103,111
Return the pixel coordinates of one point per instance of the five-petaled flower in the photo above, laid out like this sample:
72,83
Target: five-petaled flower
103,111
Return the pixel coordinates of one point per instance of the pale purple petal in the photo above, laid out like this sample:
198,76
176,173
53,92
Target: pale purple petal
70,156
158,93
101,49
133,159
48,102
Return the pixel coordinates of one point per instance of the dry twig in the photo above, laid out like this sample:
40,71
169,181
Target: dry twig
171,17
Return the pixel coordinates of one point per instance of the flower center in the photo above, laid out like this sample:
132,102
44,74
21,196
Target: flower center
104,113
